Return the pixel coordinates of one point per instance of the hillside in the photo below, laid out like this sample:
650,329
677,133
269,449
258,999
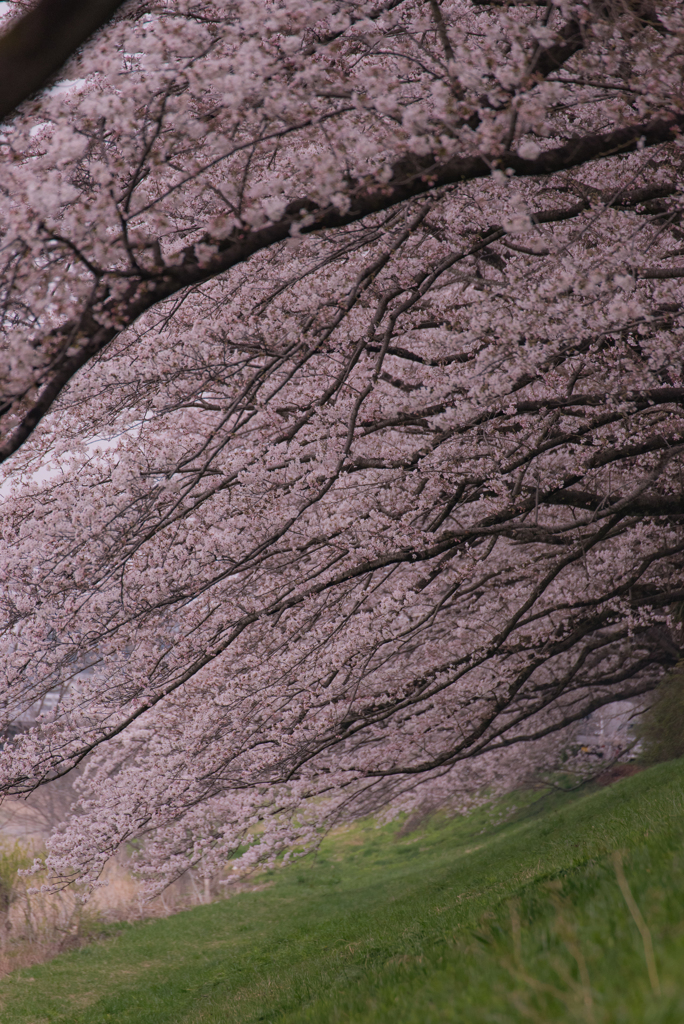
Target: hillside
509,915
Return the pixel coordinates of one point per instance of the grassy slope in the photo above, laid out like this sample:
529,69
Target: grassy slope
465,921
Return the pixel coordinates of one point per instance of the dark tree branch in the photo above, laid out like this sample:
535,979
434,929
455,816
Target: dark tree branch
644,505
37,44
412,176
552,58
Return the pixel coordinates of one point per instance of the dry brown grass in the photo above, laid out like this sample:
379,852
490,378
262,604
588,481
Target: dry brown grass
36,926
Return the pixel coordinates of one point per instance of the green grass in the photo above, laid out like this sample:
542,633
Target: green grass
464,920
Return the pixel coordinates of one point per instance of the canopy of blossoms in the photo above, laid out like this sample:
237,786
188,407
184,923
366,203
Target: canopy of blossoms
341,402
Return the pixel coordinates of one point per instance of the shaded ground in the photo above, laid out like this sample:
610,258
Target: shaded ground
459,921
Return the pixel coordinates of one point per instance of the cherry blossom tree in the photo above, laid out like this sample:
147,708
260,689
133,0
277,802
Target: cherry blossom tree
342,408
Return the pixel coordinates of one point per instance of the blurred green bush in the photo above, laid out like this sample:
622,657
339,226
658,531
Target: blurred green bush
661,729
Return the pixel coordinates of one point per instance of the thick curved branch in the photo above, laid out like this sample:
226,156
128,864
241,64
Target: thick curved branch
643,505
412,176
36,45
